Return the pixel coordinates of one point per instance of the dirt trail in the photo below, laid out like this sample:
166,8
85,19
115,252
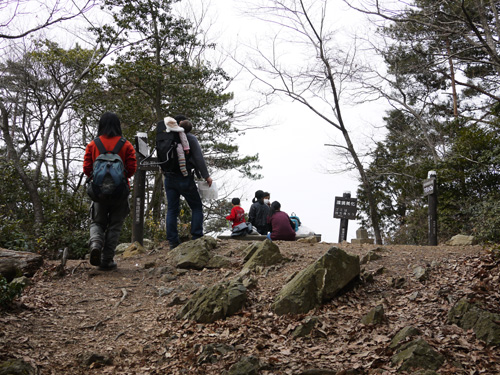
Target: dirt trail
126,318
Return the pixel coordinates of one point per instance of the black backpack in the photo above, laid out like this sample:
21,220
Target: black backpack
108,181
166,144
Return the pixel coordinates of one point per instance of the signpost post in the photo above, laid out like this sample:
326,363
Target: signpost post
345,209
142,152
430,190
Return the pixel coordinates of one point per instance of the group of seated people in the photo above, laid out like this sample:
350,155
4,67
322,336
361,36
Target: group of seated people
265,217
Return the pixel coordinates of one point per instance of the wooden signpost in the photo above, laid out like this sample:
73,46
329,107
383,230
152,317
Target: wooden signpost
430,190
345,209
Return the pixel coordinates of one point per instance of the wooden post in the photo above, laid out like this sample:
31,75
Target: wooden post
142,153
430,189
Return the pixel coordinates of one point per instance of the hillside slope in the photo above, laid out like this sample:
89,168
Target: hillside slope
123,322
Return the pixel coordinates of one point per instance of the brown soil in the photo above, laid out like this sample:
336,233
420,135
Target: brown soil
60,321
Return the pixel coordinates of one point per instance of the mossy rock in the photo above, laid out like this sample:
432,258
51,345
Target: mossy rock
417,354
484,323
245,366
265,254
402,335
318,283
16,367
214,303
374,316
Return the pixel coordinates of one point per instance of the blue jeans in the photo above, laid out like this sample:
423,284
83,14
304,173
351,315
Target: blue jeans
175,186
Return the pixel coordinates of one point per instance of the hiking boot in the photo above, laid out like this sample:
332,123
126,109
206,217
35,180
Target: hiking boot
95,254
108,265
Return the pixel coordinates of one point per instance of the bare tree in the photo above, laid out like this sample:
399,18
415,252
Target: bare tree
45,13
316,79
34,100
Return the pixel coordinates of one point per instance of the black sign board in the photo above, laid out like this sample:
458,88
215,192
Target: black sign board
345,208
429,186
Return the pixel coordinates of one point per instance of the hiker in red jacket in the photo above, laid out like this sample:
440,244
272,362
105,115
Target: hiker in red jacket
237,215
107,217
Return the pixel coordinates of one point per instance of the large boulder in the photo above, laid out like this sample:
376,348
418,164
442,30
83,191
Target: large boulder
216,302
485,324
318,283
194,254
18,263
264,254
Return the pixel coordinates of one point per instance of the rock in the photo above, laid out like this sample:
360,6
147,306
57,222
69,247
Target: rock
266,254
306,327
245,366
133,250
318,283
17,263
120,249
417,354
403,335
362,237
310,239
194,254
23,281
421,273
16,367
370,257
162,291
318,371
374,316
216,302
461,240
414,296
176,301
250,282
211,352
367,277
219,261
484,323
397,282
95,360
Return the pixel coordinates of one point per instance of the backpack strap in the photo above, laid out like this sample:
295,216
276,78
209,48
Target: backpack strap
100,146
119,145
102,149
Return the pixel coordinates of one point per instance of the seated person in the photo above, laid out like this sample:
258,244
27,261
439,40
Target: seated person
280,225
237,215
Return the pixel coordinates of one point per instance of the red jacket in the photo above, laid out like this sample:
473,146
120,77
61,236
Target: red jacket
127,154
237,215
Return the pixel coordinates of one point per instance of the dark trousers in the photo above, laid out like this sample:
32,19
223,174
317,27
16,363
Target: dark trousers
106,225
175,186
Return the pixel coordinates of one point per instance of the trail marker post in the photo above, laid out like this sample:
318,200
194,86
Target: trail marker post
430,190
345,209
141,152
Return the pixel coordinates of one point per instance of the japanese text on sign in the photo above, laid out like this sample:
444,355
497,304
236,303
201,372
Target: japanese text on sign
345,208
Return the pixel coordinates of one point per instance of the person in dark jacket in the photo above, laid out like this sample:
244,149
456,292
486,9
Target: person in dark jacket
107,218
176,185
280,225
258,213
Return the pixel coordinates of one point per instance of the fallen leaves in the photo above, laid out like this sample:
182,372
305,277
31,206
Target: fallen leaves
121,314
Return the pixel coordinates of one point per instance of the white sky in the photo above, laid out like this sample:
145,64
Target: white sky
292,151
